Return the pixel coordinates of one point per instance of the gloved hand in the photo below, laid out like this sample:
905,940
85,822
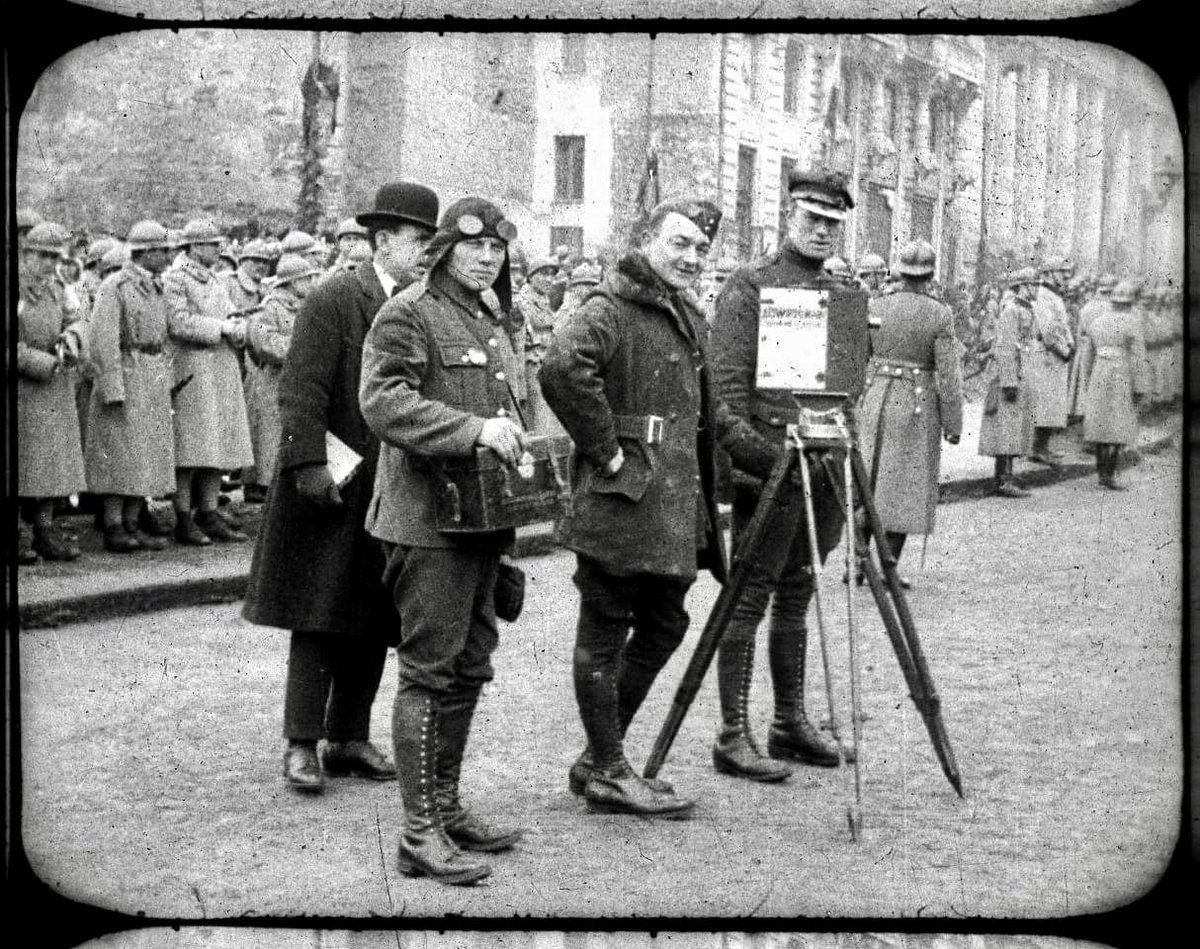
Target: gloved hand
614,464
233,328
1010,393
504,437
952,439
316,484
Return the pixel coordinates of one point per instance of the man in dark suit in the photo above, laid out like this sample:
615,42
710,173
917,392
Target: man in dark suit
316,571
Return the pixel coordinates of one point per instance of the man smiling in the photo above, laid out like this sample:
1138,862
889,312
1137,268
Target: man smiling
628,377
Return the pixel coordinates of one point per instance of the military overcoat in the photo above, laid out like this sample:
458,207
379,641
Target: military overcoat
1116,368
913,397
1048,360
1077,381
49,450
316,568
211,430
1007,427
268,338
630,368
436,366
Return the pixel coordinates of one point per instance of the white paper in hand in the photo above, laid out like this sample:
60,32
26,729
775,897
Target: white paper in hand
341,459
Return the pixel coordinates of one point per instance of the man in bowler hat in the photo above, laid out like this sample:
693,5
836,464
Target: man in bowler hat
316,571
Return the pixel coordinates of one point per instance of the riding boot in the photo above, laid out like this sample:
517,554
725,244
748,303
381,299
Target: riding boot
455,711
425,849
792,735
895,542
1101,463
1111,457
736,752
1006,486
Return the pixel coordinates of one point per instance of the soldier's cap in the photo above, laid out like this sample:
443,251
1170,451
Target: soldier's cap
114,258
296,242
257,249
202,231
871,264
1052,264
47,238
27,218
1026,276
402,202
147,235
293,267
586,275
351,228
97,249
821,191
469,218
917,259
543,263
704,214
836,265
1124,292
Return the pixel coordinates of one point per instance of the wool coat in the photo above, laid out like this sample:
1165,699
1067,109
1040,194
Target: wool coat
913,397
130,446
268,339
435,367
316,568
1007,427
1077,380
211,429
49,450
1116,368
635,351
1048,360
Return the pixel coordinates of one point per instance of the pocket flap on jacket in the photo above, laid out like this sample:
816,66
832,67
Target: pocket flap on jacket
462,355
634,477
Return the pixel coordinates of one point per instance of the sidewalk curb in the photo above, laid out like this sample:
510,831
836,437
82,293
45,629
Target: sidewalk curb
151,597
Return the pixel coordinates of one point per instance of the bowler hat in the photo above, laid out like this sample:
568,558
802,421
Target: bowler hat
402,202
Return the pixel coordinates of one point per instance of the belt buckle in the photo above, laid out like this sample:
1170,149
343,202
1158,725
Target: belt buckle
654,429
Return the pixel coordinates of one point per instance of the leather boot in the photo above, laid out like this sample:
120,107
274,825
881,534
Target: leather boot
792,735
119,540
1006,487
736,752
584,767
1109,478
425,849
455,711
302,768
147,541
186,531
50,545
150,525
26,555
216,527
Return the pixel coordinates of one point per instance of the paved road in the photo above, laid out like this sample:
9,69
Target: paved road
151,753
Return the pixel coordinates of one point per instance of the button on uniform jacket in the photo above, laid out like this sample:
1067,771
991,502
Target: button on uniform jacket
435,368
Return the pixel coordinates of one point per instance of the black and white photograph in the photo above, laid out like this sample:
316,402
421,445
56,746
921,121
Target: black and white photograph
598,476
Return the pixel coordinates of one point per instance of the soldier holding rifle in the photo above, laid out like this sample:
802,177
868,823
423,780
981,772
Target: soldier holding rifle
628,376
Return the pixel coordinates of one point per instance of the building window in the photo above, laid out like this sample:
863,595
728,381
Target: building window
793,57
786,167
744,202
879,223
568,167
936,118
571,237
922,218
845,95
574,53
752,68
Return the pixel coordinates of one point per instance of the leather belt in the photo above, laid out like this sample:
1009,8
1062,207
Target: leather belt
902,370
646,428
150,349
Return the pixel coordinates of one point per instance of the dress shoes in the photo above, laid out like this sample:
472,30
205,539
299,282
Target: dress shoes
152,525
147,541
735,753
585,766
188,533
50,544
621,791
798,740
356,759
1047,458
302,768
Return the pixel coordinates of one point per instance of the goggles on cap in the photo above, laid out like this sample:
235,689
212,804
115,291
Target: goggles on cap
471,225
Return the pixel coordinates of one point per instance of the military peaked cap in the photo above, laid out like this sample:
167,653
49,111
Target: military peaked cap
821,191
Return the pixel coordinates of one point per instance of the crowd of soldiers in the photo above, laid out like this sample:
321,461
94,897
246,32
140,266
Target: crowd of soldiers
172,361
223,299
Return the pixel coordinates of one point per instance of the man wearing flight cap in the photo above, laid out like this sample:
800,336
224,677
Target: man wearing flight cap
435,385
315,569
819,204
628,376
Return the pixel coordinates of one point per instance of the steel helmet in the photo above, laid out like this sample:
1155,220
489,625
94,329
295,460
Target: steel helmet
147,235
917,259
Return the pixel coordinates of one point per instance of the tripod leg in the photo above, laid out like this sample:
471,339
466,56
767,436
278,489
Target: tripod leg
854,812
815,560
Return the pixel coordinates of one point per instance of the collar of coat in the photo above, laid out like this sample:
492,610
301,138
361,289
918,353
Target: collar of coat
471,301
195,269
636,281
